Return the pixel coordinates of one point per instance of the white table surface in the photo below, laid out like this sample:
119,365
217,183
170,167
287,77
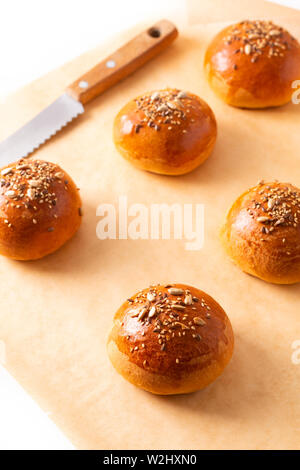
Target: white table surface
36,37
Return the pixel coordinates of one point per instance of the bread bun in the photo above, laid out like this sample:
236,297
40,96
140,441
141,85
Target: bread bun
262,232
39,209
170,339
253,64
168,131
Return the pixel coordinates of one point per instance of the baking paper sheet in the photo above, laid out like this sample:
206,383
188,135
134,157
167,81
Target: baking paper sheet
55,313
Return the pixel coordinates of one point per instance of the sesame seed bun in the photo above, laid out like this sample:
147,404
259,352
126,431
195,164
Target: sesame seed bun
262,232
39,209
253,64
170,339
166,131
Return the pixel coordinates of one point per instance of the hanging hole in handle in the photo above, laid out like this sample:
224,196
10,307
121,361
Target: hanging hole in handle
154,32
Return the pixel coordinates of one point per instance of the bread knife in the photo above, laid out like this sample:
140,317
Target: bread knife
104,75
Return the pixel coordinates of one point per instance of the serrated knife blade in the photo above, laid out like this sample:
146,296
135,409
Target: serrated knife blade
39,129
104,75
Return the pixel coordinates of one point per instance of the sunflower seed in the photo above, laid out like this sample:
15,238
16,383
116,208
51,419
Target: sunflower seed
175,291
31,193
142,313
155,96
198,321
152,312
10,194
262,219
188,299
178,307
171,105
34,183
6,171
248,49
151,296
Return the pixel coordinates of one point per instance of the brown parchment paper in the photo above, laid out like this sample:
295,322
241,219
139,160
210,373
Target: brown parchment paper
55,313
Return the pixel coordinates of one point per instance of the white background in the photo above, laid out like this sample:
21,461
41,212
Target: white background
35,37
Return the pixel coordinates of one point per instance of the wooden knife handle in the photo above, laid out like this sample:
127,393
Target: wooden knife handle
123,62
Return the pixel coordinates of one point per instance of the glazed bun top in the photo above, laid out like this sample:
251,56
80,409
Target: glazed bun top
166,131
258,62
270,212
35,185
164,110
40,209
172,328
262,232
250,41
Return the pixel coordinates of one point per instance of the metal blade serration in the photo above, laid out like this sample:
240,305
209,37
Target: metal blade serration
49,121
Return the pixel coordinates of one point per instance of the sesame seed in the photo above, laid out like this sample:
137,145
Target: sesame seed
163,107
280,203
255,38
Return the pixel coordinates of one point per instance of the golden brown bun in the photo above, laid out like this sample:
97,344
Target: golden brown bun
262,232
167,131
39,209
169,342
253,64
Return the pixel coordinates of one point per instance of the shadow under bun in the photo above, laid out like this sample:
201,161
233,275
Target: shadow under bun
166,131
170,339
40,209
252,64
262,232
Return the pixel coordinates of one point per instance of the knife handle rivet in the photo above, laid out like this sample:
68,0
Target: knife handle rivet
110,64
83,84
154,32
